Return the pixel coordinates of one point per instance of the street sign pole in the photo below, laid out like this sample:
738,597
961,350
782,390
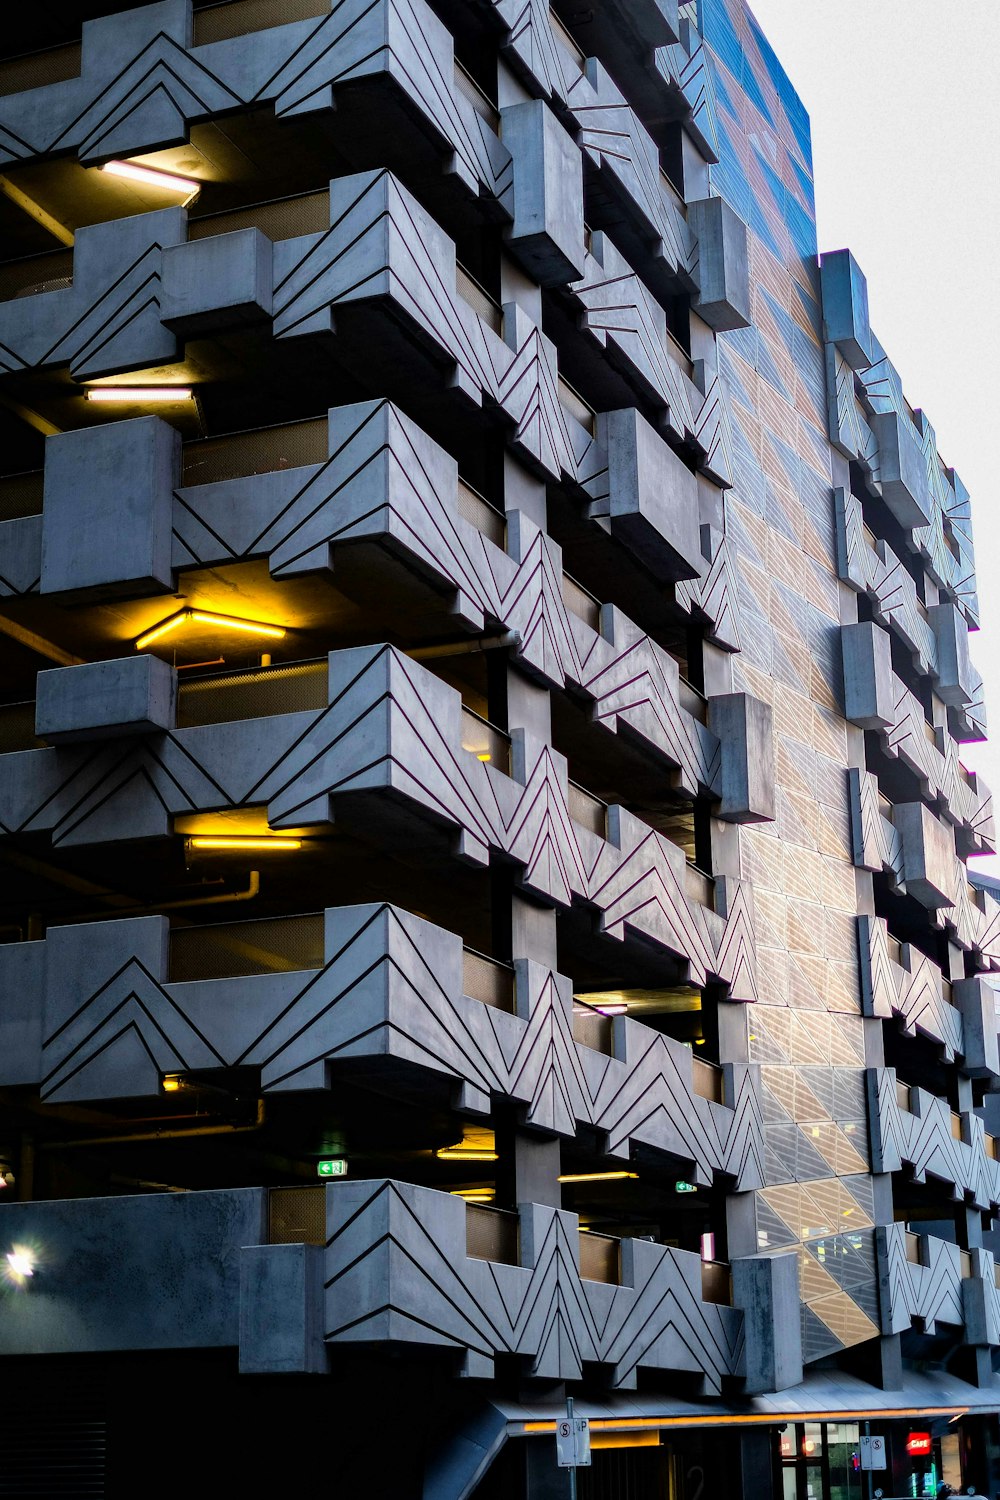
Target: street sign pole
871,1483
572,1472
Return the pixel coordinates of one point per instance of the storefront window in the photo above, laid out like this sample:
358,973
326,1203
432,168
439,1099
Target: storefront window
820,1461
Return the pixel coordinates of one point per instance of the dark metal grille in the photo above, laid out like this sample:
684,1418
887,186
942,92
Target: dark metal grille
296,1216
239,17
17,727
485,980
18,74
261,452
36,273
282,219
259,694
491,1234
50,1454
21,495
234,950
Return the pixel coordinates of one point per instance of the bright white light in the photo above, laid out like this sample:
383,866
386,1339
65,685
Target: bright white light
20,1262
145,394
169,181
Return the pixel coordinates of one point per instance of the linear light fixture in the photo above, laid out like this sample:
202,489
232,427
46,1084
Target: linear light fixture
207,617
140,395
465,1153
170,182
247,841
596,1176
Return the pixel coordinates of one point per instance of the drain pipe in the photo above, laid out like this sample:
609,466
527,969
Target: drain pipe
466,648
158,1135
226,899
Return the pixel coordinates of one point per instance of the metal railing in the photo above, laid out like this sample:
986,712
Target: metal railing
21,494
913,1249
261,693
477,510
600,1258
485,741
965,1264
479,299
904,1097
895,948
956,1127
236,950
36,69
17,727
587,810
278,218
481,102
991,1146
580,602
260,451
216,23
717,1282
577,407
491,1234
296,1215
708,1081
488,981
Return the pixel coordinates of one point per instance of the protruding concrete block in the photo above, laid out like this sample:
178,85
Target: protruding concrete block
112,533
105,699
845,308
976,1000
744,726
216,283
653,496
281,1310
723,299
869,696
547,233
902,469
766,1289
956,677
928,854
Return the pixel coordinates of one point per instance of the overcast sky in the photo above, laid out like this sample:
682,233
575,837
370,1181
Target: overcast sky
905,109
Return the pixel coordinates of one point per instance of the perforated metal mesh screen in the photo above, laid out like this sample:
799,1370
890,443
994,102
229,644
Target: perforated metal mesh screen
239,17
238,949
487,981
296,1216
17,727
253,695
284,219
261,452
18,74
21,495
36,273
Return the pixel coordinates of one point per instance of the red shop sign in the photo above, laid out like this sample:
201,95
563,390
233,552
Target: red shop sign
918,1444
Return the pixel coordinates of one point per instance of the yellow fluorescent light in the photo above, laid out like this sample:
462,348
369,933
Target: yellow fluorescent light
153,177
596,1176
234,841
172,1084
465,1153
208,617
144,394
252,627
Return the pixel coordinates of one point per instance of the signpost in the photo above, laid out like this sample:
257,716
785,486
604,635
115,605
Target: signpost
873,1452
572,1444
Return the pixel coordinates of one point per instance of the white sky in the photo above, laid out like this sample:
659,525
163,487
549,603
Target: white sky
905,107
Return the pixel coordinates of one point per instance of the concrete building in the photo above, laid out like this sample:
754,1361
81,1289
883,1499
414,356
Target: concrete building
484,671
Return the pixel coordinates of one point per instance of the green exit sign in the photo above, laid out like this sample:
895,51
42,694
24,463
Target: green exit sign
685,1187
336,1166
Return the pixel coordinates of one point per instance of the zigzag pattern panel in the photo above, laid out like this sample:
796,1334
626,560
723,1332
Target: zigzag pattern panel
923,1137
389,1278
911,988
930,1290
296,68
393,730
685,66
386,479
391,986
109,318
